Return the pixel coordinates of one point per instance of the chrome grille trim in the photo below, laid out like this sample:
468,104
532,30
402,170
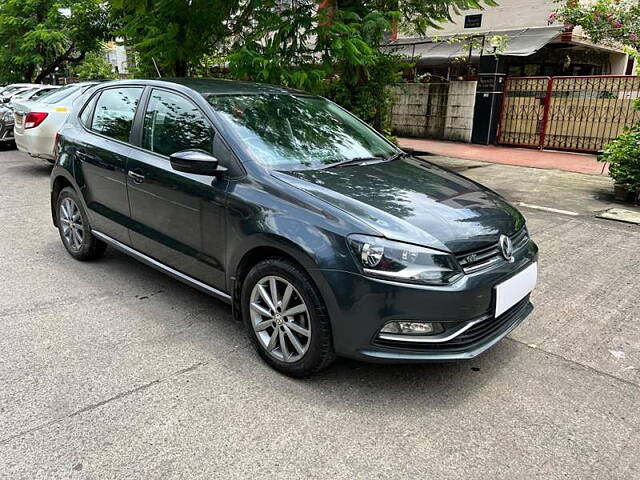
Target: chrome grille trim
488,257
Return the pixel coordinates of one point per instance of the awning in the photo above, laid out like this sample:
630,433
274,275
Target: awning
434,51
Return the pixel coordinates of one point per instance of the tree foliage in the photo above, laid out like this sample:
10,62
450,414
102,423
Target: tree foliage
41,36
333,48
607,21
175,35
94,67
623,155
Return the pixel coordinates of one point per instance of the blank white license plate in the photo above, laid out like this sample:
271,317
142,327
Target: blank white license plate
511,291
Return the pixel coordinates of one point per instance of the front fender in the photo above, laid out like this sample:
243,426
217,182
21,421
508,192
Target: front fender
302,253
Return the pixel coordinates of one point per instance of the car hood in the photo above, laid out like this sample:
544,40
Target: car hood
414,201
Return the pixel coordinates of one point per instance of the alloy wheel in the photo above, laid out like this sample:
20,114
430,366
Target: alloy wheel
280,319
72,226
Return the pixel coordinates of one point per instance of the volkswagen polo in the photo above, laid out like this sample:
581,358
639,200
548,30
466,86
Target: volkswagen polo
324,237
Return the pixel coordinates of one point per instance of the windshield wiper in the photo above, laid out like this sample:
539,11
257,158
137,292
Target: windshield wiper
396,156
354,161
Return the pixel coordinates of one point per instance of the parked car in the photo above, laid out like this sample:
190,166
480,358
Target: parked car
33,94
37,123
324,237
7,91
6,124
8,97
7,109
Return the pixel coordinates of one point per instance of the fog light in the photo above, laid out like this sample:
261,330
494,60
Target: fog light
413,328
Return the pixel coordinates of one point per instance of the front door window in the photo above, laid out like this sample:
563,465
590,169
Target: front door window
172,124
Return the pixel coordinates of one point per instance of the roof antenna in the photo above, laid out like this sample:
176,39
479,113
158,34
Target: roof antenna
156,65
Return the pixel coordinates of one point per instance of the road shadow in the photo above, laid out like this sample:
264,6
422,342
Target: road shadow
32,167
346,382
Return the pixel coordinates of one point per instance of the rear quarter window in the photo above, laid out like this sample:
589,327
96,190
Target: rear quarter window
85,116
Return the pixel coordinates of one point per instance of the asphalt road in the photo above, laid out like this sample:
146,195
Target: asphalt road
112,370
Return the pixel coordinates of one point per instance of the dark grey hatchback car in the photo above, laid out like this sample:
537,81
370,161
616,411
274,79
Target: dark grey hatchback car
325,238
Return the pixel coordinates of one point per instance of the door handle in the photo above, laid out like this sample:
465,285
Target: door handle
84,157
136,176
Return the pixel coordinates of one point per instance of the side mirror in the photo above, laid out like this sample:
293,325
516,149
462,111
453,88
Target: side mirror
196,161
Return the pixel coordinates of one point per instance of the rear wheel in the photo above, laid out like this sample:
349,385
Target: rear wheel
74,228
286,318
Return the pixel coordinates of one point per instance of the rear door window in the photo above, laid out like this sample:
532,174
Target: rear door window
114,112
172,124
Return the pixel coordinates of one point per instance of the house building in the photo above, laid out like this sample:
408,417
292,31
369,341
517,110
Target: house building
510,74
116,55
521,31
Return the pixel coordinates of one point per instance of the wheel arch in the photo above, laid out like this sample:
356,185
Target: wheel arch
61,178
276,248
57,185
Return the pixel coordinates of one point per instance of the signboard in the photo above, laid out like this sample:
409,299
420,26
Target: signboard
473,21
486,83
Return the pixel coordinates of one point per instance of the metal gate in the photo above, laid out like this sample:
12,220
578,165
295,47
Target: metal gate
567,113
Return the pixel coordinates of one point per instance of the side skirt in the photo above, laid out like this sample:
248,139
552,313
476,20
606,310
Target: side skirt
162,267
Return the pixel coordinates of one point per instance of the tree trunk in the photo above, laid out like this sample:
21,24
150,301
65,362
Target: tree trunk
65,57
28,74
180,67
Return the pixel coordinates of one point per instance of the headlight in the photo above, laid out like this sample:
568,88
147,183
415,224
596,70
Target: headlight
7,116
402,262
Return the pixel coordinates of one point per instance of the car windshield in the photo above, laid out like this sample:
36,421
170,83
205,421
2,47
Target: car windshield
42,93
295,132
63,93
9,90
24,93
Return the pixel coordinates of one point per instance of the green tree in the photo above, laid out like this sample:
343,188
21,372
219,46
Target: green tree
332,48
175,35
42,36
94,67
607,21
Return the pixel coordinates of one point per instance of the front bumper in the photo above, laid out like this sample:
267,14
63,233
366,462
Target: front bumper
360,306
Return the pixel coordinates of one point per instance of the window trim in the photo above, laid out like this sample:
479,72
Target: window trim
136,130
92,109
98,93
139,119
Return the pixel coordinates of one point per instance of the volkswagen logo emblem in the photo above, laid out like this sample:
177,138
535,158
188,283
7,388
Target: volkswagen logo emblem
506,247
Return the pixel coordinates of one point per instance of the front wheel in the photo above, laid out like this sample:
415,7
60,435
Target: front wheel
74,228
286,318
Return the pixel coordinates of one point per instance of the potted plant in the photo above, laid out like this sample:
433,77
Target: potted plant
623,155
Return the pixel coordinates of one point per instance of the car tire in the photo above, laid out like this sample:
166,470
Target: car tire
74,227
317,346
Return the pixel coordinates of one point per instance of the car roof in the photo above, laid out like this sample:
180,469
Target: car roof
214,86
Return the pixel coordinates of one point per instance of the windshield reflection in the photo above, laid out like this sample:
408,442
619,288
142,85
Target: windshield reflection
290,132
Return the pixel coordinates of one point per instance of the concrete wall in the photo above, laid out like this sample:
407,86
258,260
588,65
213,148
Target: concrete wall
442,111
508,15
461,101
618,63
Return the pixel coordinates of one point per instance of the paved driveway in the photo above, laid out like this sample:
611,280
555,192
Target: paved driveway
112,370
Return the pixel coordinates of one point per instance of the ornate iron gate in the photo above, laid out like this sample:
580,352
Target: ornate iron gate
567,113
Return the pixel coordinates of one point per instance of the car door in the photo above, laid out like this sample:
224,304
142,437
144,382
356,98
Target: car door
103,158
177,218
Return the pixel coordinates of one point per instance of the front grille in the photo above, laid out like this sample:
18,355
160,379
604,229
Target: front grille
487,257
470,339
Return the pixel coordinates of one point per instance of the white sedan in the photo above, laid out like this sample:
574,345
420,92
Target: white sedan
36,123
